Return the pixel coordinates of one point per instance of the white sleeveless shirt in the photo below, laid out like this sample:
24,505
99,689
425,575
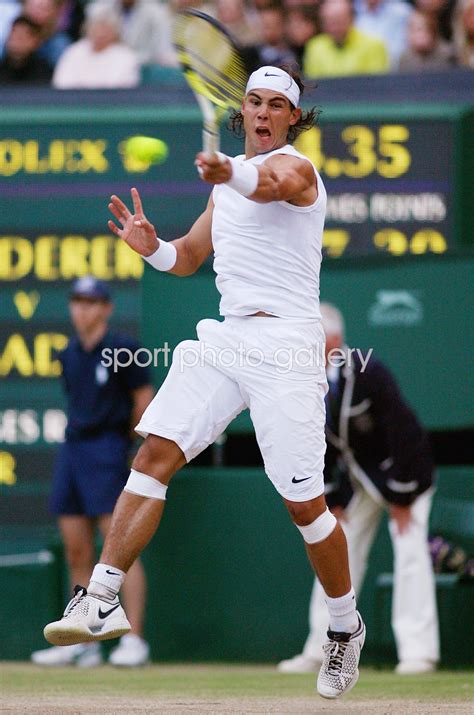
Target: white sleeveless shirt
267,257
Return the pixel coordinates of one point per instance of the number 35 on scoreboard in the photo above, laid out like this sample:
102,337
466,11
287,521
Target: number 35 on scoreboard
381,151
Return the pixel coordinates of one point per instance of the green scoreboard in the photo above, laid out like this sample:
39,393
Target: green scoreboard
399,183
398,180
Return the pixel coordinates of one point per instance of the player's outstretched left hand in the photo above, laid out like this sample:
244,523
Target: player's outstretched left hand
212,168
136,230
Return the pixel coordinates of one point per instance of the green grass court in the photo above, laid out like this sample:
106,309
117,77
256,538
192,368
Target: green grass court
223,689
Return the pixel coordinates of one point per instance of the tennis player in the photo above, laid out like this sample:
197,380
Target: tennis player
264,222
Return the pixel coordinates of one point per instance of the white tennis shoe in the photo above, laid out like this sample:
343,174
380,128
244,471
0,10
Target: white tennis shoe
131,652
415,667
82,655
340,669
88,618
299,664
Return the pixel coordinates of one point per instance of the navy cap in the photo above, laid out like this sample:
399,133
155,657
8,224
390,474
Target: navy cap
90,287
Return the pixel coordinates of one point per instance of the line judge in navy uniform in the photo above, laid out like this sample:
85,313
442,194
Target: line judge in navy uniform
378,458
92,467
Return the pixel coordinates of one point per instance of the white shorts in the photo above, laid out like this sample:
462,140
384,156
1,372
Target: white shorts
262,363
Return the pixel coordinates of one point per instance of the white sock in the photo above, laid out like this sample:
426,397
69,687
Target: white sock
342,613
106,581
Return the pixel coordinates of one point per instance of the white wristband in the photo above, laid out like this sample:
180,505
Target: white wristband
244,177
164,258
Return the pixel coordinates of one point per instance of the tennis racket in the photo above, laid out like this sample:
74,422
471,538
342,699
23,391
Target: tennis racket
213,68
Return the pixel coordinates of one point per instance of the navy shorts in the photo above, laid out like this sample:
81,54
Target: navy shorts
89,475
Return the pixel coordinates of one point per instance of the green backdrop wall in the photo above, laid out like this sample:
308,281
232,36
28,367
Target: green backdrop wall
414,312
399,182
229,578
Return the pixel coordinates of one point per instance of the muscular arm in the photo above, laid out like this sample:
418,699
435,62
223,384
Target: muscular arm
281,178
286,178
196,245
192,249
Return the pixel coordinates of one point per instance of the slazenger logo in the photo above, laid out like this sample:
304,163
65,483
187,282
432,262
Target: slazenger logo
396,307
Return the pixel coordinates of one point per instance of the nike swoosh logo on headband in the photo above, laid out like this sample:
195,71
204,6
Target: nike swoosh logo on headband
269,74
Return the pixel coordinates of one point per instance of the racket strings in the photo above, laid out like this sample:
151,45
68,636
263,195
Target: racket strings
211,63
220,88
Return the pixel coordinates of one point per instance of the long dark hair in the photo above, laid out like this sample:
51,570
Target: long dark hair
307,120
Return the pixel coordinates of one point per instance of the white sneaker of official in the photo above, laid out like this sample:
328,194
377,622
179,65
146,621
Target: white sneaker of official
132,651
87,618
340,669
82,655
415,667
299,664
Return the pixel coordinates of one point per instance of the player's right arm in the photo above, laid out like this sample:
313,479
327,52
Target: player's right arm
191,249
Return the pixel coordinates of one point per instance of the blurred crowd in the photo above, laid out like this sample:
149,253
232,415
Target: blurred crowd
107,43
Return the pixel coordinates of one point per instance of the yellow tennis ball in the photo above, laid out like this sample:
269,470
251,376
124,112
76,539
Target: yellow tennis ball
147,149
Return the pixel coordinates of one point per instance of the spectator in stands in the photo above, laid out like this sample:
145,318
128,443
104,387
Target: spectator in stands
46,13
20,62
71,18
301,25
273,49
146,29
264,4
91,469
378,458
242,23
426,49
342,49
387,20
293,4
100,60
443,11
464,33
9,9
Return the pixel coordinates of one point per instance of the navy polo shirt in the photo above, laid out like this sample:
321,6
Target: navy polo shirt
99,400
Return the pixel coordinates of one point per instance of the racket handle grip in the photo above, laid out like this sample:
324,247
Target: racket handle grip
210,141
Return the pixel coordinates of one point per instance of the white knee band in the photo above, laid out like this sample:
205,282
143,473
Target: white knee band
145,486
319,529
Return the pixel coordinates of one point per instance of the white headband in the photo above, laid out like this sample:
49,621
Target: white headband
276,79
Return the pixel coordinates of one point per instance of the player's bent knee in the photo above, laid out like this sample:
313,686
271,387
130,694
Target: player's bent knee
319,529
144,486
159,456
305,512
